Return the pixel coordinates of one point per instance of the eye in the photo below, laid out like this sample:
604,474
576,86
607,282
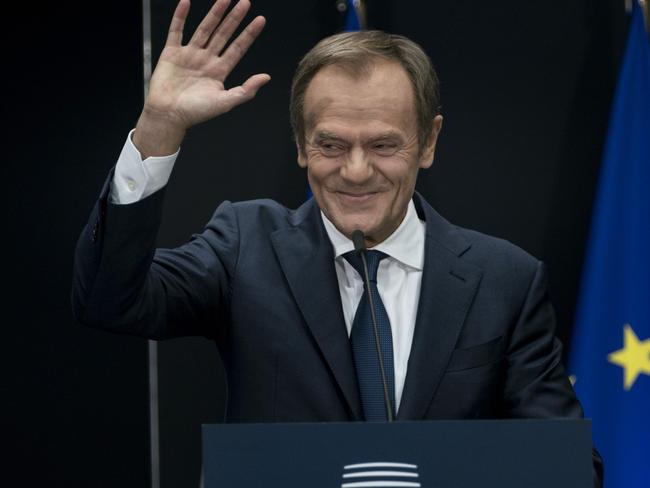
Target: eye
331,149
385,148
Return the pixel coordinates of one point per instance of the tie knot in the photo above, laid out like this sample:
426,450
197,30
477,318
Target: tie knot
372,258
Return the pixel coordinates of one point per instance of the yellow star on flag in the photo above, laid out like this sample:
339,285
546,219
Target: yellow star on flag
634,358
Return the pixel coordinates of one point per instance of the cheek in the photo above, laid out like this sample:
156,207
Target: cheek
400,171
320,169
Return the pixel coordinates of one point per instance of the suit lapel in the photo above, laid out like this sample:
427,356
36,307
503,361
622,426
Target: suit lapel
448,288
307,260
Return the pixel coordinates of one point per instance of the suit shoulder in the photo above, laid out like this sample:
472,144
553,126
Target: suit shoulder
482,250
256,214
497,255
261,205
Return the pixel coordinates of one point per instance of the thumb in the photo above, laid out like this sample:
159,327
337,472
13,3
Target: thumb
246,91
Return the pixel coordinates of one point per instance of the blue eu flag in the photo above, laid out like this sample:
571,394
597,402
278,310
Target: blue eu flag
352,21
610,353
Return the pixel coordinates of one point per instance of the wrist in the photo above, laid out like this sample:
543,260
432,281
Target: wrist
157,135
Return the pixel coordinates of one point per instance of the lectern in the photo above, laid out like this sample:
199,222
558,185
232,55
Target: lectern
431,454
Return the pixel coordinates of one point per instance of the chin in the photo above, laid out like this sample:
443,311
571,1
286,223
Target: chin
347,224
349,227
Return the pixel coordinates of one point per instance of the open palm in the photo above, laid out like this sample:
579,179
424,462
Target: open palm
187,86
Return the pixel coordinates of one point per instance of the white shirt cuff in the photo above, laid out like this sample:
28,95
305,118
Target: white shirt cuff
135,179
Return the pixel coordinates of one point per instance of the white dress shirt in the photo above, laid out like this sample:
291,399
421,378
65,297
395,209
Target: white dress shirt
135,179
398,278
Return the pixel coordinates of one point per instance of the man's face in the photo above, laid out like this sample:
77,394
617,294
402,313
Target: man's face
361,147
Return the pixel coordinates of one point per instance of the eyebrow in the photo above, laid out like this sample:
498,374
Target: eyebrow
390,134
324,134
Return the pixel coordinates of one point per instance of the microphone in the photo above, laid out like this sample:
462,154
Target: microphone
358,240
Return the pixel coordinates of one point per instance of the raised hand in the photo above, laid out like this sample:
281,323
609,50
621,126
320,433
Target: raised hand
187,86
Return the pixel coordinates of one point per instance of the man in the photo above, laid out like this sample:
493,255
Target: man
466,326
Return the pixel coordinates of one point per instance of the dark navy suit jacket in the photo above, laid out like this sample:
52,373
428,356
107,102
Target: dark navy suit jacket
260,281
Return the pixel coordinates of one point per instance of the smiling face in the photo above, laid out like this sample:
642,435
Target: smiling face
361,147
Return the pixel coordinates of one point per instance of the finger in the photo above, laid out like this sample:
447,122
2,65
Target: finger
240,46
175,35
245,92
255,82
225,31
209,23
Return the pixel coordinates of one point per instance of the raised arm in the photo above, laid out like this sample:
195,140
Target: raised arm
120,282
188,84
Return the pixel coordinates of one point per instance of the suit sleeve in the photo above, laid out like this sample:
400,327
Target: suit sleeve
536,385
123,284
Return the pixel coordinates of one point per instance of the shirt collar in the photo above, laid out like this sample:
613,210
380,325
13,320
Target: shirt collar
405,244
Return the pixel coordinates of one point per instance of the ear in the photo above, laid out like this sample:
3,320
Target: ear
426,158
302,159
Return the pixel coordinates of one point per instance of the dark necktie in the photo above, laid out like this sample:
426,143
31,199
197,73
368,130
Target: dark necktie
364,348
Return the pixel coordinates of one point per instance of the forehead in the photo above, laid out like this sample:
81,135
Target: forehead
377,96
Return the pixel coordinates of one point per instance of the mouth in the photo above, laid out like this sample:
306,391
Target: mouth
356,198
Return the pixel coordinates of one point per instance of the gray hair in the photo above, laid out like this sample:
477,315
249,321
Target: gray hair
356,52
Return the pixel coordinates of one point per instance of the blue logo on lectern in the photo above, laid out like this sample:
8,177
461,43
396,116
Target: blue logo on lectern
380,475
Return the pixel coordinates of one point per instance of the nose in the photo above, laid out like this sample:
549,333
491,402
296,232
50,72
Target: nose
357,167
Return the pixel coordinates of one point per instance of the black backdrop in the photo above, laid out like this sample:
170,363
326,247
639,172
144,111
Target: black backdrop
526,88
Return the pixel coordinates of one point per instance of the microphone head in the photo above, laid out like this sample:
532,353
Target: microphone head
358,241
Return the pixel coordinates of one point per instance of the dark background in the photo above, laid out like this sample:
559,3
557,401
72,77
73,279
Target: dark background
526,89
